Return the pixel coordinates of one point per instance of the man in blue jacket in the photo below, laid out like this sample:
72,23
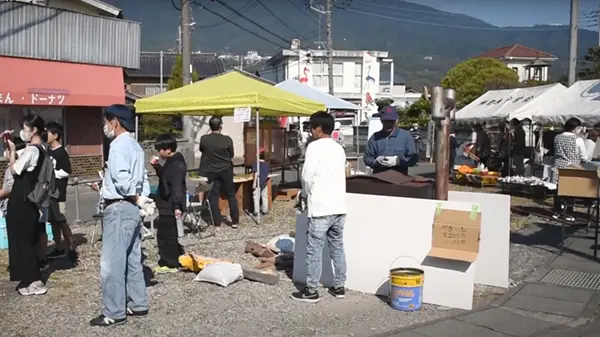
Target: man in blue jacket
391,148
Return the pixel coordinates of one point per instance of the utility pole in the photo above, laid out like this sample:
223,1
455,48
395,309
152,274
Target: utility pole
328,7
241,61
598,21
573,42
186,57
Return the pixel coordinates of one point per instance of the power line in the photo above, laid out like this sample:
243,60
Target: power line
301,10
243,28
457,26
278,19
251,21
248,6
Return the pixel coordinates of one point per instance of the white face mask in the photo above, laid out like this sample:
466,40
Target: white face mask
110,134
25,136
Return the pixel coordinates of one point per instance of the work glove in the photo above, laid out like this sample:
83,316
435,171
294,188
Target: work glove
390,161
146,205
380,160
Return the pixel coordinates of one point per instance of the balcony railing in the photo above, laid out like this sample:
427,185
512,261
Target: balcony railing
55,34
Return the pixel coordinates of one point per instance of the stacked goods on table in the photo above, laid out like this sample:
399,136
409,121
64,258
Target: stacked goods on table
476,176
533,186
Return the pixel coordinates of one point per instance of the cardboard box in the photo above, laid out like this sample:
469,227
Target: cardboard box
577,182
456,234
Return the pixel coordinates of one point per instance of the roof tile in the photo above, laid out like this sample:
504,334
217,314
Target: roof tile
206,65
517,51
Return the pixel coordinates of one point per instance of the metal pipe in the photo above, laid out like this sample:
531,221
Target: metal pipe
257,195
78,218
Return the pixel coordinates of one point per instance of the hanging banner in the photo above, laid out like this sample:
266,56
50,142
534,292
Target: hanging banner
370,82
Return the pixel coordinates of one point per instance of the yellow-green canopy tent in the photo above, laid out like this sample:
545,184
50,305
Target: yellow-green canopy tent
221,94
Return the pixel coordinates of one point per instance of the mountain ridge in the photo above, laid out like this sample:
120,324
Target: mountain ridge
409,31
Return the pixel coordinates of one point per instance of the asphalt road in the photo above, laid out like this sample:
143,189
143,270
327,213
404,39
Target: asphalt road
88,198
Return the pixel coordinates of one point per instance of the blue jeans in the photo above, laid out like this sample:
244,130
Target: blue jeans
121,269
330,228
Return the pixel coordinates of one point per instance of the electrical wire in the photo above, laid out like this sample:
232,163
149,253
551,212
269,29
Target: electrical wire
280,20
457,26
243,28
222,3
248,6
301,10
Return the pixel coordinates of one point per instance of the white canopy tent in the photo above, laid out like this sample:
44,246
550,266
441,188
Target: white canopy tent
506,104
331,102
581,100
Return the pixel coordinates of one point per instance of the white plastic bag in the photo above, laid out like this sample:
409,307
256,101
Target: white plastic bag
221,273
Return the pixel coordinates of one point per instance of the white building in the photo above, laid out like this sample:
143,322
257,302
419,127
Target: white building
528,63
402,95
355,73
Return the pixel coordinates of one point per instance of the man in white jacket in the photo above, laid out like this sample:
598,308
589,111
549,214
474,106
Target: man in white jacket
324,186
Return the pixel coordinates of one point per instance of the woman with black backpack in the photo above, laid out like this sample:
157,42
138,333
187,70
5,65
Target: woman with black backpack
23,224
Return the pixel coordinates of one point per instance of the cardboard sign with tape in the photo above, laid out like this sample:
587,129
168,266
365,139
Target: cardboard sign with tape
456,234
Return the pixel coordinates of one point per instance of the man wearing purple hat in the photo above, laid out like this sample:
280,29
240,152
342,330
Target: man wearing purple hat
391,148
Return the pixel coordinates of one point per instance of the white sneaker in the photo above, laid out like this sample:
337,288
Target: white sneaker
35,288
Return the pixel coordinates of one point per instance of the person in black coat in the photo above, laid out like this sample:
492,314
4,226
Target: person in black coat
171,201
482,144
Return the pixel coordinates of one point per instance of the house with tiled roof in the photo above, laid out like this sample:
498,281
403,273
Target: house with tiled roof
146,80
528,63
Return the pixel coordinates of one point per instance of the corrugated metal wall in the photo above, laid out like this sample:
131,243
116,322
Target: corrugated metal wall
54,34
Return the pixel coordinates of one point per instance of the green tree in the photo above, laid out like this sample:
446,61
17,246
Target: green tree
472,78
590,66
152,125
419,109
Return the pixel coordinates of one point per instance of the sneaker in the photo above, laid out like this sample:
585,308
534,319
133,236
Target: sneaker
138,313
570,218
44,264
57,254
306,296
235,225
337,292
35,288
106,321
165,270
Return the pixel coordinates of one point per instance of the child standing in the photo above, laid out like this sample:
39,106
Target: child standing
57,210
171,202
260,184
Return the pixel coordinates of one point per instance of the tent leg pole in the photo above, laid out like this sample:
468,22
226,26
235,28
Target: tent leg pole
137,123
257,195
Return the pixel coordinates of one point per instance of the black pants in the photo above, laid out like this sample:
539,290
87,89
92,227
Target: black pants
169,248
223,183
558,203
519,161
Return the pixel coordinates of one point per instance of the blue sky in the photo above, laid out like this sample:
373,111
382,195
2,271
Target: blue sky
513,12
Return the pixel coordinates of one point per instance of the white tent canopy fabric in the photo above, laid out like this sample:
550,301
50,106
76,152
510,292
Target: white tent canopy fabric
331,102
506,104
581,100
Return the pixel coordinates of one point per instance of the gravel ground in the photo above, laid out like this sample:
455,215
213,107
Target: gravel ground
180,307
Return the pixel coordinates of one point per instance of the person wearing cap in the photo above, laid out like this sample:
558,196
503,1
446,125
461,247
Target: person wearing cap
391,148
124,189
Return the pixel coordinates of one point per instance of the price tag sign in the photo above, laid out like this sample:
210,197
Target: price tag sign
241,115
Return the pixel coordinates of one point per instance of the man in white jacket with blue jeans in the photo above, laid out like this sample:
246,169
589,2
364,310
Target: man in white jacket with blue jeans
324,186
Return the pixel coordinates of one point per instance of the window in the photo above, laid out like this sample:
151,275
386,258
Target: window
357,75
151,90
320,74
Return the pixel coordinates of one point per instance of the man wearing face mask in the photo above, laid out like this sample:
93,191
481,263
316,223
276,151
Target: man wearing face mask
125,189
391,148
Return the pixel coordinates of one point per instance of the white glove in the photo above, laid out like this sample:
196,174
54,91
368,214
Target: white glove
390,161
380,160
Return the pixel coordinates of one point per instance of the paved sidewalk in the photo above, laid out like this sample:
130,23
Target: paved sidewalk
559,299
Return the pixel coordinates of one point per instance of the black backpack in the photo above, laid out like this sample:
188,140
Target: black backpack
44,188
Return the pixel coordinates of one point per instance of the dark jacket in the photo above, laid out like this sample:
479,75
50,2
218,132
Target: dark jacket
172,191
399,143
482,145
519,145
